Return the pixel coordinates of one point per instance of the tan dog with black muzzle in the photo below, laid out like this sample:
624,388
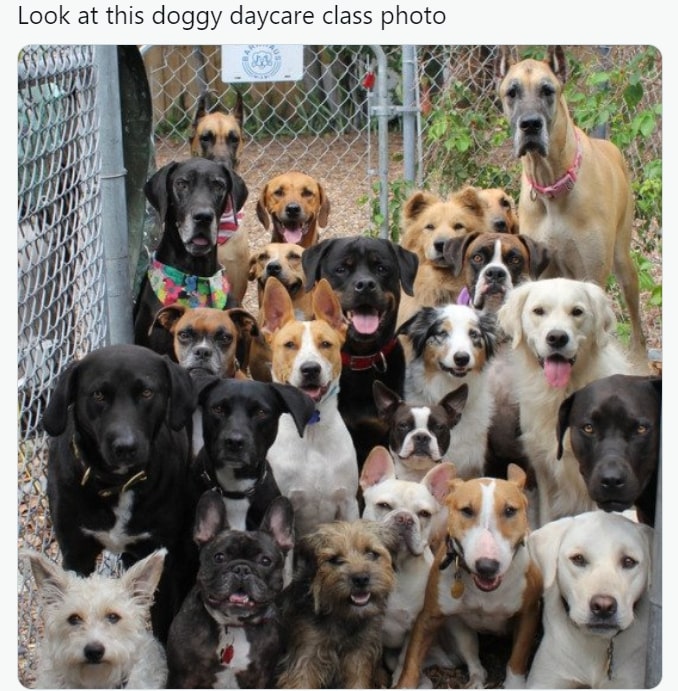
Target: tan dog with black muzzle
575,194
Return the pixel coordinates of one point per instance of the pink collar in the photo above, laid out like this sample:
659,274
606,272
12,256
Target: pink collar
566,182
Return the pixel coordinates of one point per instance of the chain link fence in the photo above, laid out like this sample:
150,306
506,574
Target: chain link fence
331,124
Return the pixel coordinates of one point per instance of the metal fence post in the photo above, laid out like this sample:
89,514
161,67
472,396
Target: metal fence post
409,111
381,110
113,199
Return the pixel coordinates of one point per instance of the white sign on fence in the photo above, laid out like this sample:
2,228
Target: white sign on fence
262,63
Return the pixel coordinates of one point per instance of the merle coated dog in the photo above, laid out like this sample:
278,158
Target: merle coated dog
119,465
189,197
615,427
240,423
367,274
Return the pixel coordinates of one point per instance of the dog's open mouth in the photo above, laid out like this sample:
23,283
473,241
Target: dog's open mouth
314,391
454,371
487,585
292,231
360,598
365,320
557,370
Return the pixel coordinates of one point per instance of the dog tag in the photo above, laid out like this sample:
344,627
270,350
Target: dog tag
227,655
457,589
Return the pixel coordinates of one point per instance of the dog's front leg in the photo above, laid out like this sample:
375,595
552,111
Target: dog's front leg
421,637
466,643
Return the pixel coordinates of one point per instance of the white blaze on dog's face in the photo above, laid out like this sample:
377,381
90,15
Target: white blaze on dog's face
487,518
600,564
560,320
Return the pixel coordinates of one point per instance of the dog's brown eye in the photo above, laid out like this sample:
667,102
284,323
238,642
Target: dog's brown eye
512,92
384,505
577,312
371,554
430,226
147,393
424,514
74,620
642,429
113,618
279,192
510,511
459,226
514,260
181,184
265,561
505,203
628,562
219,557
217,410
325,345
225,338
335,560
539,311
98,396
466,511
306,193
477,258
579,560
587,428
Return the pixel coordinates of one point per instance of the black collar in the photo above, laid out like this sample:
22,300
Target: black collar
227,494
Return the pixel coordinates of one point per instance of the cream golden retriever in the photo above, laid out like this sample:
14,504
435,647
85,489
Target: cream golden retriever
596,571
562,338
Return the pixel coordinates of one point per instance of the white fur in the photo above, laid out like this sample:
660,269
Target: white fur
561,489
468,439
109,613
237,637
570,655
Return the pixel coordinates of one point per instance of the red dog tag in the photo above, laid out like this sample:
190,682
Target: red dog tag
227,655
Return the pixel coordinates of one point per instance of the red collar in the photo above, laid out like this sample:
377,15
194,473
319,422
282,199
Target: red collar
565,183
358,363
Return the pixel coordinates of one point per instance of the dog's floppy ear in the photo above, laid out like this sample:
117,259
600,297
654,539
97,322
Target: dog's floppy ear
244,321
564,422
454,250
454,403
203,383
142,578
543,545
417,202
50,578
210,517
377,468
311,260
55,417
156,190
604,317
488,328
262,212
510,313
539,255
408,262
239,191
168,316
418,327
278,522
437,480
299,404
385,400
183,397
324,210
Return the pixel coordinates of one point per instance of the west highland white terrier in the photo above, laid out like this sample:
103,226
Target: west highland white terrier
97,629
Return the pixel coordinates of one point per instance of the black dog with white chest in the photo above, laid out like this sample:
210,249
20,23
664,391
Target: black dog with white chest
189,197
240,423
119,466
227,633
615,428
367,274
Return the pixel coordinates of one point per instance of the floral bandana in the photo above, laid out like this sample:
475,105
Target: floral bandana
172,286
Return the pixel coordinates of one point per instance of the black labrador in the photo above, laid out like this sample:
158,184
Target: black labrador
119,463
189,197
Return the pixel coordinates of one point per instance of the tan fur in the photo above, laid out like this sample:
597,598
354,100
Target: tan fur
428,222
333,643
286,257
501,214
588,228
297,188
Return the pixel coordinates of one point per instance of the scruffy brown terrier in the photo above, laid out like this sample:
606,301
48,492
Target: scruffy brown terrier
334,608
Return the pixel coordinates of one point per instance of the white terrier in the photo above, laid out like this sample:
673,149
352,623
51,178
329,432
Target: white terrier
96,632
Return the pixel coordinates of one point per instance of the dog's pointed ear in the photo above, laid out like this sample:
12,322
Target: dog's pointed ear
239,109
262,211
55,417
201,109
377,468
538,253
543,546
311,260
516,475
299,404
278,521
324,207
557,62
276,306
563,422
502,62
167,317
438,479
454,250
210,517
454,403
408,263
142,578
326,306
510,314
385,400
156,190
50,578
183,398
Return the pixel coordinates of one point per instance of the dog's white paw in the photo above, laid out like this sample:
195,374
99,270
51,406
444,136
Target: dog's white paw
514,681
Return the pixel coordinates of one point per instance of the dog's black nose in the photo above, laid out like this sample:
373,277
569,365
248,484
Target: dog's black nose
234,442
500,226
293,209
603,606
241,570
203,216
531,124
360,580
310,371
487,568
365,285
461,359
612,479
438,246
421,440
124,448
496,274
94,652
557,338
203,353
273,268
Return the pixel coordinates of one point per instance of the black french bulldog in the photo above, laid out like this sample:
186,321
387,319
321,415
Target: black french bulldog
227,634
367,274
239,424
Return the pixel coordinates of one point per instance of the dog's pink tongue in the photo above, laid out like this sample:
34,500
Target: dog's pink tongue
557,372
365,323
239,599
293,235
